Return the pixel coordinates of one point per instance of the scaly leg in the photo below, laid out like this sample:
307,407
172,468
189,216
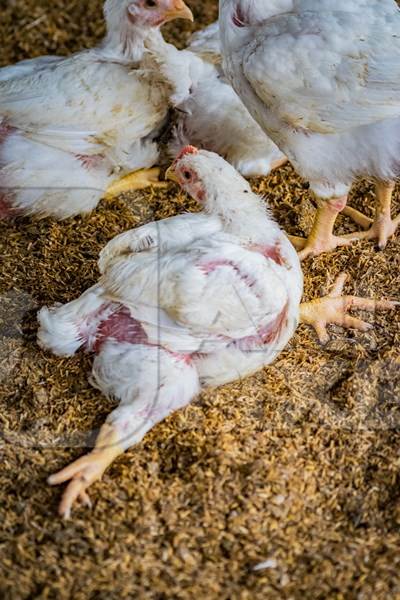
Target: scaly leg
297,241
382,227
139,180
321,238
333,309
160,383
87,469
358,217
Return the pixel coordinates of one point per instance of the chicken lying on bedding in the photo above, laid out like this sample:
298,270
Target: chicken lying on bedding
192,301
322,78
214,118
71,127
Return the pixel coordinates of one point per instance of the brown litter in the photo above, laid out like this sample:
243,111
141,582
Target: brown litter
296,466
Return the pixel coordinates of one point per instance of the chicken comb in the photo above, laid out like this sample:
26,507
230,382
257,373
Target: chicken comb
187,150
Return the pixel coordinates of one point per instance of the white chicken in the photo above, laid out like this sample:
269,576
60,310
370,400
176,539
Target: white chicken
194,300
322,80
70,128
214,118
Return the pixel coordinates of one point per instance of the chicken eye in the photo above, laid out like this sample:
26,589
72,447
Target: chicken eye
187,175
150,3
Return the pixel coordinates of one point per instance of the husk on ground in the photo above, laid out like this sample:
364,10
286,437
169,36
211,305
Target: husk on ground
297,466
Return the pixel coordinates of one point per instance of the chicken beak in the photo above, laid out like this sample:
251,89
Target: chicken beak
171,175
179,10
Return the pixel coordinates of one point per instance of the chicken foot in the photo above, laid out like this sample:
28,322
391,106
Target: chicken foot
139,180
333,308
382,227
322,238
87,469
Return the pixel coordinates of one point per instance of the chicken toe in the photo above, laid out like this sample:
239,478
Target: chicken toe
382,227
358,217
86,470
322,238
333,309
139,180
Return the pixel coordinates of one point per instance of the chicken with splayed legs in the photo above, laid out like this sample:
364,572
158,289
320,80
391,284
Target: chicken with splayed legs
192,301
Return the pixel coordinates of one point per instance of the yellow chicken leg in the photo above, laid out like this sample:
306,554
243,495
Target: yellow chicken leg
382,227
139,180
333,309
87,469
358,217
322,238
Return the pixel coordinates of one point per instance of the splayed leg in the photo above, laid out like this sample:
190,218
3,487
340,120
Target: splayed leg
150,382
87,469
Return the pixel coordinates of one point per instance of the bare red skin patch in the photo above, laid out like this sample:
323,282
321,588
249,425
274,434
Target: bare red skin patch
212,265
239,19
5,130
272,252
265,335
273,331
337,204
201,196
90,161
121,327
6,209
187,358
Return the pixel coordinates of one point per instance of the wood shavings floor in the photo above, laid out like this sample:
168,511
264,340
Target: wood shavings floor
296,467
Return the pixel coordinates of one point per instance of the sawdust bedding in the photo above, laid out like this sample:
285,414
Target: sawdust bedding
296,467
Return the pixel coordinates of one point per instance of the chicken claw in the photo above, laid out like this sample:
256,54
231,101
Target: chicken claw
333,309
322,238
382,227
86,470
139,180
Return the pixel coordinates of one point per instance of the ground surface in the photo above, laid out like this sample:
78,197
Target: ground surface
297,466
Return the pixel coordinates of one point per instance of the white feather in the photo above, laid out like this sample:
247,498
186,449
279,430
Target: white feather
195,300
322,80
63,329
70,126
149,382
214,118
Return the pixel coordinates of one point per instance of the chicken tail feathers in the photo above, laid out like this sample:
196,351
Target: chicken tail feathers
58,331
63,329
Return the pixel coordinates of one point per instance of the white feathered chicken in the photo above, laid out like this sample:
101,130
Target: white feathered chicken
195,300
322,78
214,118
71,127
